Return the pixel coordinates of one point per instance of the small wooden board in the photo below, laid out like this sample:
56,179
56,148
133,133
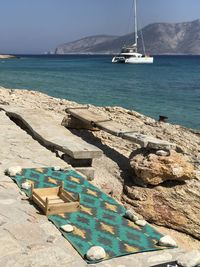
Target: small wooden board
54,200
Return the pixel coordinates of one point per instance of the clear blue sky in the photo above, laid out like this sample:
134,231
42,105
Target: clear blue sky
36,26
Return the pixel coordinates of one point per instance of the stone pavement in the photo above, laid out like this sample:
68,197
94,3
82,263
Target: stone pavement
27,238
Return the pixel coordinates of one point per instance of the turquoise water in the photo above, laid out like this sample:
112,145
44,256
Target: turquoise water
170,86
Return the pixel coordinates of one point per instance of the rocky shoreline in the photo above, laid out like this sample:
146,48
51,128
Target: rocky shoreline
172,204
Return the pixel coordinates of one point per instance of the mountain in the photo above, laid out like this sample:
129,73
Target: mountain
160,38
84,45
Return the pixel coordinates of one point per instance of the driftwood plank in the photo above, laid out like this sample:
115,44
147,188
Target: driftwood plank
117,129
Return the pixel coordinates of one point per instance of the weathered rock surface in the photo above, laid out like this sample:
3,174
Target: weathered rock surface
171,205
189,259
154,169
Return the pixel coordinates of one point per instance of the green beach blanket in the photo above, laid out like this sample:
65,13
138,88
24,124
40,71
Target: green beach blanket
99,222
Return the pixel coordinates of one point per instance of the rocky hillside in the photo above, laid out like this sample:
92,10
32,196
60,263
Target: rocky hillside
84,45
160,38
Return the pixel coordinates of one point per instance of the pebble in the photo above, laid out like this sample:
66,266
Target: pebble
129,214
96,253
56,168
141,222
162,153
26,185
189,259
167,241
67,228
12,171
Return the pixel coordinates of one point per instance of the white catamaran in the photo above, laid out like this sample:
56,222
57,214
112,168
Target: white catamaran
129,54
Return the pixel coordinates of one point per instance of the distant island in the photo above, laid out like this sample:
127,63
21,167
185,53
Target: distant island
160,39
7,56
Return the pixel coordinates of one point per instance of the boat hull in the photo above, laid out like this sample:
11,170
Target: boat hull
118,60
133,60
139,60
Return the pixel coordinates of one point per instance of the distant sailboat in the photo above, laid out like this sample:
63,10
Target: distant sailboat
129,54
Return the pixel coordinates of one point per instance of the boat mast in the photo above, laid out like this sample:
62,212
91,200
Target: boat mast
135,18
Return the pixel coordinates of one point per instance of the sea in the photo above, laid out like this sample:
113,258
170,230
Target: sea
170,87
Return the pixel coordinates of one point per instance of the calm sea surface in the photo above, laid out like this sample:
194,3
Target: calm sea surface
170,86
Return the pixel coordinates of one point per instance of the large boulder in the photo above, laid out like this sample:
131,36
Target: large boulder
154,168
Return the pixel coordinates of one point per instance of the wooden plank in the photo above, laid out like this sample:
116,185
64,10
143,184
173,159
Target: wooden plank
38,198
64,193
86,115
48,129
38,202
46,191
117,129
69,207
102,122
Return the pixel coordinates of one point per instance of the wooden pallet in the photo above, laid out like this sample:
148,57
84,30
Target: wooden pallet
54,200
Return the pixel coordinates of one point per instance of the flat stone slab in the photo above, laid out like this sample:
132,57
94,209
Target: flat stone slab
20,149
117,129
45,128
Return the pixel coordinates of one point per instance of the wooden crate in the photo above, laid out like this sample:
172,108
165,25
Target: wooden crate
54,200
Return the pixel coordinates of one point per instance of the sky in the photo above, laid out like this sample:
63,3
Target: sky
38,26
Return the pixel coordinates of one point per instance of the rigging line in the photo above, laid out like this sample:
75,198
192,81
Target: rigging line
142,37
130,17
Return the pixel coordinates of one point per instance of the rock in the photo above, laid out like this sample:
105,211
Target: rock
135,194
189,259
153,169
167,241
162,153
141,222
172,205
26,185
12,171
67,228
96,253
